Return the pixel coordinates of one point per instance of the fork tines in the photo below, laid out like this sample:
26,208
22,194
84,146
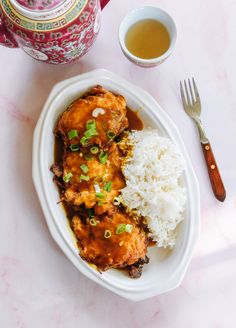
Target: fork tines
189,93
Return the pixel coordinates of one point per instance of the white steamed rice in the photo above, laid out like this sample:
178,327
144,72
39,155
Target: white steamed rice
153,189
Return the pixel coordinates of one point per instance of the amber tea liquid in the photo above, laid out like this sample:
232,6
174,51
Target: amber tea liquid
147,39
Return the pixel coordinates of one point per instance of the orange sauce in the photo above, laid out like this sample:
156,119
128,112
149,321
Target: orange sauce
135,122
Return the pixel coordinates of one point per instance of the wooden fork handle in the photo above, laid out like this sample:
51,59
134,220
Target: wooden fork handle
213,171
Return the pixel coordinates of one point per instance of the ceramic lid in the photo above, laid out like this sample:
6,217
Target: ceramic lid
42,9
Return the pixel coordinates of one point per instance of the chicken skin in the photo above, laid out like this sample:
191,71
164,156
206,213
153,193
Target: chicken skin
78,192
102,245
108,109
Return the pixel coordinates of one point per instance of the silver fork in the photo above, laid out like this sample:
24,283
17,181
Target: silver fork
192,106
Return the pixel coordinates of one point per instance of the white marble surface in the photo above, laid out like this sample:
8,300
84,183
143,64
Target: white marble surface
39,287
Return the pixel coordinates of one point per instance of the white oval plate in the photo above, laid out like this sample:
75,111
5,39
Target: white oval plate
166,268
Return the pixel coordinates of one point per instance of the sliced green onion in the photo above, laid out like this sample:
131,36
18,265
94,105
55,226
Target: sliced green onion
111,134
74,147
97,188
94,150
90,133
72,134
84,177
84,168
107,234
67,177
107,186
91,212
100,203
91,124
128,228
88,158
99,195
103,157
84,141
93,222
120,228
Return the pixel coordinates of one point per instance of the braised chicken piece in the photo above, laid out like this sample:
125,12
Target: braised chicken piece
91,181
112,241
107,109
88,174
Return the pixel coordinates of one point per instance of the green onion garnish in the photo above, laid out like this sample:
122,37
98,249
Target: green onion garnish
91,212
107,186
74,147
72,134
84,168
99,195
128,228
111,134
84,141
120,228
100,203
90,133
94,150
88,158
123,228
97,188
107,234
93,222
67,177
91,124
84,177
103,157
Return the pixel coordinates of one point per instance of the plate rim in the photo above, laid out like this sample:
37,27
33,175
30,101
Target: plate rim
168,124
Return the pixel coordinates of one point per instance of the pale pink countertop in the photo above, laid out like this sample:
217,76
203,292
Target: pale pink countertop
39,287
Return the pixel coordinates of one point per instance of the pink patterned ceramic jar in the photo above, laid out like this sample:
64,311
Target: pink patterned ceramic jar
52,31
